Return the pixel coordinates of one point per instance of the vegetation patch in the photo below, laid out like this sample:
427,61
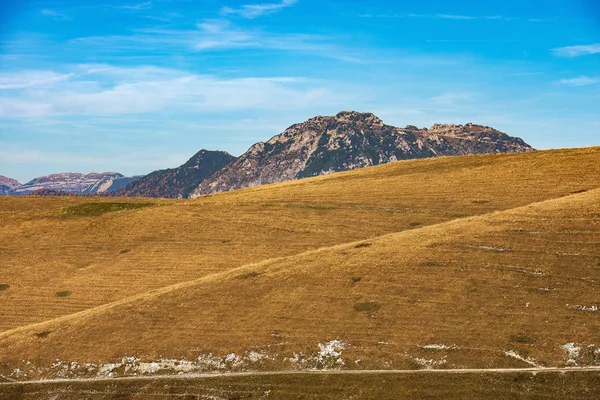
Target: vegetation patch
124,251
415,223
97,209
522,339
63,293
369,306
363,245
249,275
4,286
43,335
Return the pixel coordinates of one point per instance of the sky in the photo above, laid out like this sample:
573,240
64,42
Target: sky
134,86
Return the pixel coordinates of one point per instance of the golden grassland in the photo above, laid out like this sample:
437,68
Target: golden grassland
523,280
65,255
431,386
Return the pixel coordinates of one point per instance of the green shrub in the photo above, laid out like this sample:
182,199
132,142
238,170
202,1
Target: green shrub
63,293
4,286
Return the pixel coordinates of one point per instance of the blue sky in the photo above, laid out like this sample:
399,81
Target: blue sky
134,86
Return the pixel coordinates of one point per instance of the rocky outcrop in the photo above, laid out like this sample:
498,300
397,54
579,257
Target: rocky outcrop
351,140
177,182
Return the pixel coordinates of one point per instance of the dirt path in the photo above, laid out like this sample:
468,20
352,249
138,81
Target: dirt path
333,372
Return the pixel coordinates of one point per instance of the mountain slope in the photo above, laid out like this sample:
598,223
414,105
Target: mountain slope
8,185
508,289
348,141
177,182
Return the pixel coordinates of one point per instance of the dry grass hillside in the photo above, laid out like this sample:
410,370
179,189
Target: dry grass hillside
65,255
515,288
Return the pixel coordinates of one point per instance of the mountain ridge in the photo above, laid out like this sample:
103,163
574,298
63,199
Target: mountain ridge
177,182
350,140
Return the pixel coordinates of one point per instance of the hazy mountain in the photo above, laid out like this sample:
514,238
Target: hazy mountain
92,183
8,185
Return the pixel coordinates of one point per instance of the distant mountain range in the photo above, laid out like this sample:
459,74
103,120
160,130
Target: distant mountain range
80,184
319,146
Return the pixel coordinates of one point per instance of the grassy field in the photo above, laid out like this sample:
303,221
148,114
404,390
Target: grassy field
466,262
509,289
431,386
65,255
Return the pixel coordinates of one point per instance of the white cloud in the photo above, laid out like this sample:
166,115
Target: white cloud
451,98
105,90
55,14
576,51
581,81
140,6
221,34
30,79
256,10
458,17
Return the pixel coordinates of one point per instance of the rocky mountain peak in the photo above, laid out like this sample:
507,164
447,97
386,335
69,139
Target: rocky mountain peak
350,140
354,116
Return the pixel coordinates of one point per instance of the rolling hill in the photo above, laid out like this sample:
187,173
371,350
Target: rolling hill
190,276
103,250
508,289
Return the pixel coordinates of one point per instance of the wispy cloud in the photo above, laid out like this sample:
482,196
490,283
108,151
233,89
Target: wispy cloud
256,10
140,6
219,35
106,90
576,51
451,98
581,81
456,17
55,14
30,79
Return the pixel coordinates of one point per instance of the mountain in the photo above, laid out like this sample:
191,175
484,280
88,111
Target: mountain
178,182
75,183
8,185
351,140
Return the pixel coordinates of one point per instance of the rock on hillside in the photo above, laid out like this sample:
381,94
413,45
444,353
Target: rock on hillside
351,140
178,182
